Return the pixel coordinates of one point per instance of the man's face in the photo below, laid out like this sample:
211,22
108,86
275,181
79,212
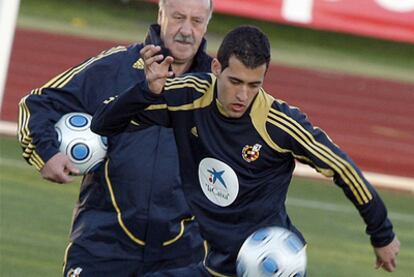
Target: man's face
237,85
183,25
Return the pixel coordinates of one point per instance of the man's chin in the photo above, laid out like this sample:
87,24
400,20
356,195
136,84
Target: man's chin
181,56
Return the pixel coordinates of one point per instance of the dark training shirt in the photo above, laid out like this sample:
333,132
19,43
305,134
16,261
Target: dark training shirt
236,171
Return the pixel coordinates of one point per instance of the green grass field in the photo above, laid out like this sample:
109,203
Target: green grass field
35,220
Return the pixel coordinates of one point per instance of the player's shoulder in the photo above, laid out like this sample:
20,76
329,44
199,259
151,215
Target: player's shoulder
274,119
268,110
282,109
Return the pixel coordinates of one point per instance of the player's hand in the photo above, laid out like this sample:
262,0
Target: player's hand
156,67
58,169
387,255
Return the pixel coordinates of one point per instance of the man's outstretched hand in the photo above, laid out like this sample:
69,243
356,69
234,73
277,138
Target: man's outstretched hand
157,67
387,255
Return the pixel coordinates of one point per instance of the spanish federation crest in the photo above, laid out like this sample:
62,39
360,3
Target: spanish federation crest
251,153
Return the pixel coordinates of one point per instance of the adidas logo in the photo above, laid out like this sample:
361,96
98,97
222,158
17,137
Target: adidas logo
139,64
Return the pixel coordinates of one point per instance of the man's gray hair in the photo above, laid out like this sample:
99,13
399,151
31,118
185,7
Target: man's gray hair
161,5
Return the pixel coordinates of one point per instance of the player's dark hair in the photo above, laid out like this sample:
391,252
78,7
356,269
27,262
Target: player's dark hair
248,44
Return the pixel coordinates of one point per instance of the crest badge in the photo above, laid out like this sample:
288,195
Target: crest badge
251,153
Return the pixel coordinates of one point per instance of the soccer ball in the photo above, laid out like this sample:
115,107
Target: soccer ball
85,149
272,251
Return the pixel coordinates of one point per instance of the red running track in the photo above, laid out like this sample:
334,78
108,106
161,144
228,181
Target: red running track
371,119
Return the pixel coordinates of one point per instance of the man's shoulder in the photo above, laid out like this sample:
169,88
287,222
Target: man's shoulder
118,59
122,52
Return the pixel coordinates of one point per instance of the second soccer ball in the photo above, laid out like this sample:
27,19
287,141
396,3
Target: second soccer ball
272,251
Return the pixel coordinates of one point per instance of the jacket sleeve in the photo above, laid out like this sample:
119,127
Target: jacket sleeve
78,89
137,104
312,146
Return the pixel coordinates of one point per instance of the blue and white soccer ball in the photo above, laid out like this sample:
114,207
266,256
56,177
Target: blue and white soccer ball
85,149
272,251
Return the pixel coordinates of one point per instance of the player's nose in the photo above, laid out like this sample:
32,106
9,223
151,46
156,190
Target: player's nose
242,94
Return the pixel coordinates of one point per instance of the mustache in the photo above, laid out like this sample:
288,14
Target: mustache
184,39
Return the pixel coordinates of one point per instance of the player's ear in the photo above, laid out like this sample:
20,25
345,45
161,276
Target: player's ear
215,67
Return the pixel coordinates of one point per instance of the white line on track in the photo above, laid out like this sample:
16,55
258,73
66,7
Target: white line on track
332,207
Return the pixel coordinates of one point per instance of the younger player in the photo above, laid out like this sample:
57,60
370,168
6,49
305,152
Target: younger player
237,148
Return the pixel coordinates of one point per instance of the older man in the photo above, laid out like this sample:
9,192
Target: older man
131,217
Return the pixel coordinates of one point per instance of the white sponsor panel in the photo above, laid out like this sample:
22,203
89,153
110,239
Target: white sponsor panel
299,11
218,181
401,6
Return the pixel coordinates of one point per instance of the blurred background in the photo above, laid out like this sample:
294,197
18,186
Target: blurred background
349,64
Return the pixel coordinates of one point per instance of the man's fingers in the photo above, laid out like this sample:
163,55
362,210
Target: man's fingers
149,51
378,264
144,50
63,176
160,71
71,169
390,267
60,179
387,266
159,76
167,61
66,179
156,58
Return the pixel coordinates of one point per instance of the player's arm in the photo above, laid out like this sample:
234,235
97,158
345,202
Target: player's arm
136,104
312,146
75,90
154,100
116,113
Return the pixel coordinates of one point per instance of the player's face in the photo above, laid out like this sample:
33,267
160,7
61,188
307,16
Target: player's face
183,25
237,86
